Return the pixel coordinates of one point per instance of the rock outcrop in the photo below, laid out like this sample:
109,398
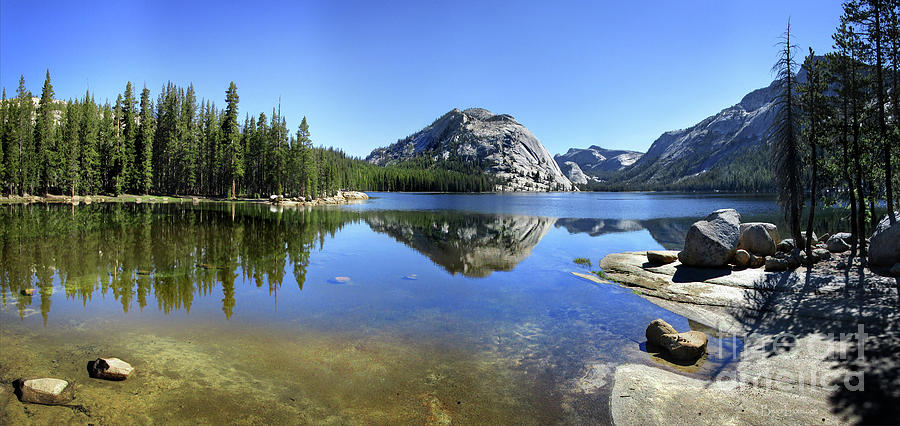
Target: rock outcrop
712,242
574,173
595,159
504,148
884,247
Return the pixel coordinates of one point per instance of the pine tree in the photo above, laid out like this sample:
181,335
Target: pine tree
813,102
21,163
129,136
231,143
89,133
784,138
44,132
144,145
106,149
69,147
307,166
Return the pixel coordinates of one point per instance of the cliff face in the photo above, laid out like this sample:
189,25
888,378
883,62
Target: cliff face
714,141
507,149
596,159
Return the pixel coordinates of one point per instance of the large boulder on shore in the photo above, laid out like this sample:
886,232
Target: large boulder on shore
839,242
770,228
884,247
712,241
757,239
47,391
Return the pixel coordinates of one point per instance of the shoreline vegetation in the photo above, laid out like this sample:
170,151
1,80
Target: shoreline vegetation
341,197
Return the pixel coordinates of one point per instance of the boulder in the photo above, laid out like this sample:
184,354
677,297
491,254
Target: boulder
44,391
786,245
824,237
756,239
685,346
839,243
659,257
657,329
815,238
774,264
712,241
742,258
770,228
757,261
821,254
110,369
884,247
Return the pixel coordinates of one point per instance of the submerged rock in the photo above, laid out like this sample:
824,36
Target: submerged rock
657,329
110,369
47,391
685,346
712,241
884,247
660,257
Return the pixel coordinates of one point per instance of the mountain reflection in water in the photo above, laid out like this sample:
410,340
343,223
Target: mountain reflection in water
176,252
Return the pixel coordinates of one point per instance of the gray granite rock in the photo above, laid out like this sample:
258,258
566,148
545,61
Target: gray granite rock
509,151
712,242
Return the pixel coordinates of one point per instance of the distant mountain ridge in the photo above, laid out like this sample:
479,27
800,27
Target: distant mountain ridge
585,165
505,149
724,147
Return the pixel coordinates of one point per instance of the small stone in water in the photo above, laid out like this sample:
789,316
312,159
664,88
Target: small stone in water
411,277
27,292
110,369
340,279
44,391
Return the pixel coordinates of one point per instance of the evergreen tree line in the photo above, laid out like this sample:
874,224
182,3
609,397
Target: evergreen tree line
177,145
836,137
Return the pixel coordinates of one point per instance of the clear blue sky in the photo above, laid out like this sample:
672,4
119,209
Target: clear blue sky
613,73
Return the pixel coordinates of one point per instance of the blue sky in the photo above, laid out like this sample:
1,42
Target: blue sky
613,73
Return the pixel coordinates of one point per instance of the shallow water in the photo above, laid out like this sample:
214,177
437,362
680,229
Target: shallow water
408,308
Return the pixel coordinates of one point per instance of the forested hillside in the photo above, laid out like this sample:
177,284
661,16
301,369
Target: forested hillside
173,144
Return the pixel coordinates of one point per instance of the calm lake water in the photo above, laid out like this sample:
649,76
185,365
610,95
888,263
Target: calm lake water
407,308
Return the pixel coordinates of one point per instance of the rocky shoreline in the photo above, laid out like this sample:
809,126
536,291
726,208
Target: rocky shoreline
820,339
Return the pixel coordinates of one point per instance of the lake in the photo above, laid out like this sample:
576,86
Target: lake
406,308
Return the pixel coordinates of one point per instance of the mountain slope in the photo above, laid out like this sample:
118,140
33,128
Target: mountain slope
680,156
498,144
596,159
